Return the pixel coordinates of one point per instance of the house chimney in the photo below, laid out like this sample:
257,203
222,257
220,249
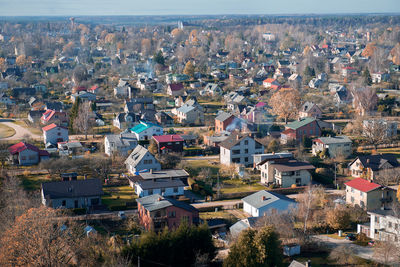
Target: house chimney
159,199
237,137
308,263
263,198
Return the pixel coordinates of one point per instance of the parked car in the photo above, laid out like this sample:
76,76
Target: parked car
351,236
371,243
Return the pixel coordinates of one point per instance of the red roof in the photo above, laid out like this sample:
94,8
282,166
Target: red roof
49,127
168,138
21,146
269,80
176,86
362,185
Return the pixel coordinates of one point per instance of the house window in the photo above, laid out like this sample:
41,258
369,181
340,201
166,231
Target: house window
246,151
311,131
396,226
246,142
64,203
390,224
246,159
297,173
150,191
59,134
176,189
298,181
352,199
162,191
352,190
172,214
185,218
23,158
376,219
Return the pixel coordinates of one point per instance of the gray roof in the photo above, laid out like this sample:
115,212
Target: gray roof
164,174
157,202
243,224
335,140
296,264
136,156
161,183
222,116
123,139
75,188
307,106
256,199
292,165
186,109
234,139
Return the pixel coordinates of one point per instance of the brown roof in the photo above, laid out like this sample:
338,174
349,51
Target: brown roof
233,140
293,165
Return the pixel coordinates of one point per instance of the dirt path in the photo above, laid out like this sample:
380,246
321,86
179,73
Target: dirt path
20,132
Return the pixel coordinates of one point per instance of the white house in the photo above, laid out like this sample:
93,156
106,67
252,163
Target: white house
141,159
285,172
384,225
53,134
336,146
163,187
121,143
145,130
190,114
239,149
262,202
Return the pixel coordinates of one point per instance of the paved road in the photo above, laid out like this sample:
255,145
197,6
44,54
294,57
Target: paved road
20,132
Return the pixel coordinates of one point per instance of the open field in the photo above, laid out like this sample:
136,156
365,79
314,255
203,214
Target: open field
6,131
237,185
118,196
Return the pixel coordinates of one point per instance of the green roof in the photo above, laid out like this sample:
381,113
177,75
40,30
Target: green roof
299,123
143,126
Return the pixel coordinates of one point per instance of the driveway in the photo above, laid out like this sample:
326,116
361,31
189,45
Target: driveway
20,132
360,251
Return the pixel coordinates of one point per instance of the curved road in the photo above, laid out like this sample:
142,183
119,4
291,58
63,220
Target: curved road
20,131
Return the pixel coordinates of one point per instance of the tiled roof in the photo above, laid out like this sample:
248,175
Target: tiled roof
362,185
168,138
21,146
375,162
223,116
51,126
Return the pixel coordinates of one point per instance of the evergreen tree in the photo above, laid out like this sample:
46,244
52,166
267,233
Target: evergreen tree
159,58
73,114
367,77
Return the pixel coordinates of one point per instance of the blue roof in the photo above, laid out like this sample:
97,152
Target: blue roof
143,126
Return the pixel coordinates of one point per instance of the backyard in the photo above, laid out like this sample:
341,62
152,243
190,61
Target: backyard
119,197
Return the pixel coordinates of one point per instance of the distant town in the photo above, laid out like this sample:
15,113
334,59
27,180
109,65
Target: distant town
212,141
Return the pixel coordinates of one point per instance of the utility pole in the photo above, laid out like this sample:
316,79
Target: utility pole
218,185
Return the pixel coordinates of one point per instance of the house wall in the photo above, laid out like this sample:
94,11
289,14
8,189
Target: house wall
153,165
148,133
28,157
279,205
55,135
367,200
168,191
245,155
174,146
308,130
334,149
356,169
82,202
222,125
250,209
288,180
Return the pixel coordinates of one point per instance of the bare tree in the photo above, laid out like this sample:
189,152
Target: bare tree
386,251
375,131
388,177
364,99
85,119
343,255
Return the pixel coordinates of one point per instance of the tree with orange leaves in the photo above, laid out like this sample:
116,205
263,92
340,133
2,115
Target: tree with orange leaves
2,63
39,238
369,50
21,60
285,103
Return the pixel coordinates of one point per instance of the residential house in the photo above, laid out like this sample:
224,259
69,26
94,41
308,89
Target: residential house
348,71
164,118
310,109
335,146
51,116
378,77
145,130
262,202
120,144
157,212
243,224
212,89
123,90
384,225
315,83
368,195
34,116
53,133
222,121
175,89
269,82
84,96
72,194
26,154
239,148
169,143
70,148
164,187
190,114
295,130
141,159
260,159
139,103
126,120
285,172
6,100
372,166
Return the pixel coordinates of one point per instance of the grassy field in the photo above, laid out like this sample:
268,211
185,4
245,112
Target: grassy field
237,185
6,131
198,165
118,195
216,215
321,259
32,182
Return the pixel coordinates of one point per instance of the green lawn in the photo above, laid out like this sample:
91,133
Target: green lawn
198,165
237,185
6,131
118,196
34,181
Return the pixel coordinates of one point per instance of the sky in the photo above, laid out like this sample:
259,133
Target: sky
192,7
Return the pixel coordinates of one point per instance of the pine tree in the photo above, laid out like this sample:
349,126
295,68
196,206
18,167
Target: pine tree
73,114
367,77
